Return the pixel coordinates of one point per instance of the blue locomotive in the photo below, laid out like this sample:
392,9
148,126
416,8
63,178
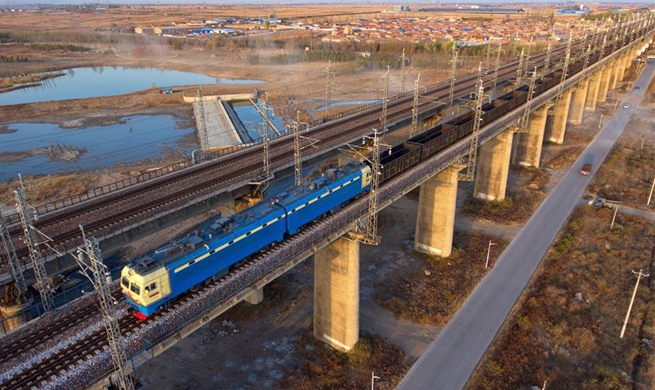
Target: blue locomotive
162,275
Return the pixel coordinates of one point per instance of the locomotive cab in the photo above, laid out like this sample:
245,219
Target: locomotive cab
144,288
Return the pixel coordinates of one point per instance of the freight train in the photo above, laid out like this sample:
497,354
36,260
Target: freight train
168,272
164,274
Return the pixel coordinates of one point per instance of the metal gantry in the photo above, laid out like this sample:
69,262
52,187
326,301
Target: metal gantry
415,130
31,236
202,124
473,147
89,258
20,286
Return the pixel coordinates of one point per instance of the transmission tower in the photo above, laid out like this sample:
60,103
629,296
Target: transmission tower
89,259
565,70
473,148
296,150
415,129
383,118
202,124
586,60
267,150
329,76
527,58
487,57
495,79
31,233
20,286
453,75
548,54
520,71
523,124
372,237
402,73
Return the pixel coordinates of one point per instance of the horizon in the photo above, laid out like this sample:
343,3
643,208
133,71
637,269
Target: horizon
3,3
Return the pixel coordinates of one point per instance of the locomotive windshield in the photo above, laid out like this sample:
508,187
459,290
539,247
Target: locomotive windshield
135,289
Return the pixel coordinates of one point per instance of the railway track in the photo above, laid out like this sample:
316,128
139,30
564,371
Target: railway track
13,348
108,213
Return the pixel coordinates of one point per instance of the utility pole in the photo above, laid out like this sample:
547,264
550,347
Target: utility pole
15,269
632,300
373,378
453,76
415,129
616,210
652,187
89,259
486,263
328,89
27,219
202,123
402,73
495,79
473,148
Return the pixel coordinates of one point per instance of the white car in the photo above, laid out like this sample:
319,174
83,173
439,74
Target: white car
626,106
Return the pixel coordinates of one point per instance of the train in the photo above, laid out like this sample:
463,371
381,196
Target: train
161,276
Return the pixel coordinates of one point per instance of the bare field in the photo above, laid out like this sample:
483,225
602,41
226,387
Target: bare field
567,331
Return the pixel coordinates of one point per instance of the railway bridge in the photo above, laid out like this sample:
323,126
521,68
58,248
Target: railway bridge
566,91
121,212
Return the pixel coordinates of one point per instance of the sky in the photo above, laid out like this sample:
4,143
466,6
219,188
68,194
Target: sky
282,2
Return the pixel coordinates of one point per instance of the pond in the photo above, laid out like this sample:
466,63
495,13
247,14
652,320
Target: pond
44,148
79,83
253,121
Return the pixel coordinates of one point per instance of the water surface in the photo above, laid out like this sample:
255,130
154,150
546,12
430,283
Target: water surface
137,138
89,82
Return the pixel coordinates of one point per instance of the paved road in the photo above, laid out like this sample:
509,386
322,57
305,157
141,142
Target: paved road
451,358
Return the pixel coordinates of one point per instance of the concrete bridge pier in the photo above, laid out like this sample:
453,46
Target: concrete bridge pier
623,62
592,94
561,113
493,167
528,149
256,297
336,294
615,73
435,223
579,100
604,84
